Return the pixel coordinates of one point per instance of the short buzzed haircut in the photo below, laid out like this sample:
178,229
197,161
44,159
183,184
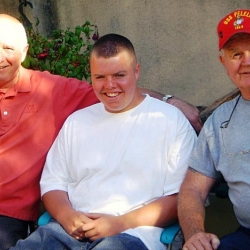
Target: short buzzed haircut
112,44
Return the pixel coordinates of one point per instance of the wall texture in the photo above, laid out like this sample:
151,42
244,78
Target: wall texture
175,40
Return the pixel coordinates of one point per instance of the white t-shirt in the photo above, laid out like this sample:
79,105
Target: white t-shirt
117,162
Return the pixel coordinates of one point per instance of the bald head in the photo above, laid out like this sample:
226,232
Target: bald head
12,31
13,50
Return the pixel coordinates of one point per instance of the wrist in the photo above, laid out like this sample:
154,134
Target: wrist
166,98
124,222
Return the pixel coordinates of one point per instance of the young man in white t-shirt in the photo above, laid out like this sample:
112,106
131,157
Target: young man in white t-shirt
112,175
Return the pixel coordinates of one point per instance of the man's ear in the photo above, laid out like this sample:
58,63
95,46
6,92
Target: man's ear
223,62
25,50
137,70
222,59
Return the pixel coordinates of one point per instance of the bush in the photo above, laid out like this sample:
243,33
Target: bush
64,53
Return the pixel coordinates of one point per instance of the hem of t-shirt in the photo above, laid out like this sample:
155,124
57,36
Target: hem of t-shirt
52,188
196,166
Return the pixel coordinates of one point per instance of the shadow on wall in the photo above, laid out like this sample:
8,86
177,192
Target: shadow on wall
42,9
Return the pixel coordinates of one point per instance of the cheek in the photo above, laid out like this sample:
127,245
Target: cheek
14,60
232,69
96,87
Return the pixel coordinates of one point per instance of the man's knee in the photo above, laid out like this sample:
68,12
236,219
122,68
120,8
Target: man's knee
119,242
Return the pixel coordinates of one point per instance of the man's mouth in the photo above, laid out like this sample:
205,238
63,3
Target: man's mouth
2,67
112,94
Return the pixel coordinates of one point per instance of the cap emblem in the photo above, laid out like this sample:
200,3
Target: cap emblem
238,22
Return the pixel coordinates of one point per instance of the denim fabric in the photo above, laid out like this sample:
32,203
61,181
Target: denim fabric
52,236
239,240
11,230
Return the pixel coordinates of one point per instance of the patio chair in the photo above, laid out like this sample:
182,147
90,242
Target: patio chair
172,237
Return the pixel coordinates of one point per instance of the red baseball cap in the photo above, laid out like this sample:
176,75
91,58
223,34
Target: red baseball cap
236,22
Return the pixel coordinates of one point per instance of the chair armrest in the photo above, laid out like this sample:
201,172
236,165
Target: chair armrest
169,233
44,219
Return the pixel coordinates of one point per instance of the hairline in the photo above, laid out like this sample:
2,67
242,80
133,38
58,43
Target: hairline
110,45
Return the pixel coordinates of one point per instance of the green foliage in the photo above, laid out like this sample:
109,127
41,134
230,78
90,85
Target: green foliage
64,53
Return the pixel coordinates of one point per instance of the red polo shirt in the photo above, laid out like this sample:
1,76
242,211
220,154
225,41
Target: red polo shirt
32,113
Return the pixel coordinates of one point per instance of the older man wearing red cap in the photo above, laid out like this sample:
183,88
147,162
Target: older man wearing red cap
223,147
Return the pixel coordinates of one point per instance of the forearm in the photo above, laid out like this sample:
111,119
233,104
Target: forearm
152,93
57,204
191,214
59,207
160,213
191,202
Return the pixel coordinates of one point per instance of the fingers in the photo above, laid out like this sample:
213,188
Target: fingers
75,226
215,241
84,231
85,218
202,241
99,226
193,246
197,245
78,235
94,216
84,226
88,226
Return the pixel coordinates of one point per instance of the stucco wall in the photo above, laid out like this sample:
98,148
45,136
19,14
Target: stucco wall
175,40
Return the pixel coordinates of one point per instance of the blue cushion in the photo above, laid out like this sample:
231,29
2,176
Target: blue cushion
44,219
169,233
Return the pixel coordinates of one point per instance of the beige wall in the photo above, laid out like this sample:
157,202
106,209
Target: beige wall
175,40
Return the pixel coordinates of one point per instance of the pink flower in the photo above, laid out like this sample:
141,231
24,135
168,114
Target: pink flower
42,55
95,36
75,64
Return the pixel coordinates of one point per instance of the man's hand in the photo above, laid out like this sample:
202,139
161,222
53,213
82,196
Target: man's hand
190,111
58,205
202,241
73,223
102,225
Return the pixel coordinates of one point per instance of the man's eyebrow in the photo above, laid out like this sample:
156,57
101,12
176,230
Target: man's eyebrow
233,49
118,72
97,74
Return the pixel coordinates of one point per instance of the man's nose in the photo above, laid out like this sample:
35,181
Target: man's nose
246,60
1,54
109,83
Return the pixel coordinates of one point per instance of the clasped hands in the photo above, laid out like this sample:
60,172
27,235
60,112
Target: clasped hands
92,225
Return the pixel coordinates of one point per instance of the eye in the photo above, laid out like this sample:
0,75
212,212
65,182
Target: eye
236,55
8,49
119,75
99,77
